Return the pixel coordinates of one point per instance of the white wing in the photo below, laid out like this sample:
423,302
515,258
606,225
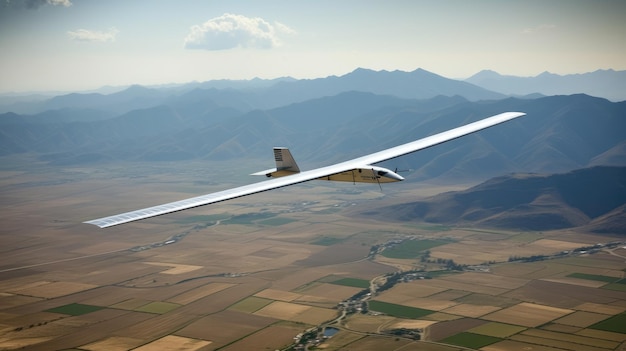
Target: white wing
305,176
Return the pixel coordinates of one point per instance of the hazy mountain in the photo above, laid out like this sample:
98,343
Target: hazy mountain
419,84
594,196
609,84
256,93
559,134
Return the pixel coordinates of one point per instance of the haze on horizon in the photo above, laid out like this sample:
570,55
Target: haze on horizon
73,45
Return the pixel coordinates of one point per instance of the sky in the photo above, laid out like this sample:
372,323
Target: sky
76,45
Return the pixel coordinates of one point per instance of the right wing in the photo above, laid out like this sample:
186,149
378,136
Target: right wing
361,162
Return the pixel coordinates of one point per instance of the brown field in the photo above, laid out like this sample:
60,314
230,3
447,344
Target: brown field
443,317
450,294
601,334
563,345
469,310
131,304
576,281
367,323
415,289
443,283
51,290
11,300
508,345
279,295
561,328
206,290
576,339
176,268
528,270
224,327
373,343
296,313
581,319
479,251
274,337
12,344
448,328
527,314
331,291
173,342
563,295
555,245
199,292
317,301
497,330
113,343
340,340
487,279
282,310
410,324
598,308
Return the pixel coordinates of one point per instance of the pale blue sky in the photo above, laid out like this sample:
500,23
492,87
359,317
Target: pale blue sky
85,44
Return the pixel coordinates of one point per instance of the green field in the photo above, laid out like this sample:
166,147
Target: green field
471,340
158,307
616,324
250,304
326,241
276,221
412,248
75,309
353,282
398,310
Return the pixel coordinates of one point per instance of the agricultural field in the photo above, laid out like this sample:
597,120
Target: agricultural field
256,273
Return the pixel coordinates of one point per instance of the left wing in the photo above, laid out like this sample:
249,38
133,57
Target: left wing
361,162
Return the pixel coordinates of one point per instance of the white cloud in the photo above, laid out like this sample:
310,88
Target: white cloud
93,35
231,31
538,29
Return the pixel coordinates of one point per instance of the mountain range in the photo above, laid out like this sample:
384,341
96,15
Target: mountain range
333,119
324,121
609,84
271,93
593,198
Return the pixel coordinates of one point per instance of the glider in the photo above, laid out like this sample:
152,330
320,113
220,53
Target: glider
286,173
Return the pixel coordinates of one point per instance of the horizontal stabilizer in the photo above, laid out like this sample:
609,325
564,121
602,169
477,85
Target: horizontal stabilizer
285,164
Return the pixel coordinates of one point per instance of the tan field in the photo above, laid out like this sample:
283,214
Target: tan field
233,281
469,310
527,314
296,313
272,294
114,343
172,342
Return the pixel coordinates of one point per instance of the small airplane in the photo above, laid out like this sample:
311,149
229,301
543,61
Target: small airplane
286,173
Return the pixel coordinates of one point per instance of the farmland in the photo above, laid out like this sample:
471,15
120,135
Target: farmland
256,273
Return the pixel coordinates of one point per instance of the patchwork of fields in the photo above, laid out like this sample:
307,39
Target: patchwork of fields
256,275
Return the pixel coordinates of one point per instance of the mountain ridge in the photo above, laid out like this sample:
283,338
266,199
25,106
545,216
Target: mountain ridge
608,83
593,197
558,134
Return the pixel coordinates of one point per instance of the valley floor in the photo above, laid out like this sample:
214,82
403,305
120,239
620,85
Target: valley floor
258,273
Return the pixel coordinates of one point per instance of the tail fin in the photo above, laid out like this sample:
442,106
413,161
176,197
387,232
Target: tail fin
285,164
284,160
